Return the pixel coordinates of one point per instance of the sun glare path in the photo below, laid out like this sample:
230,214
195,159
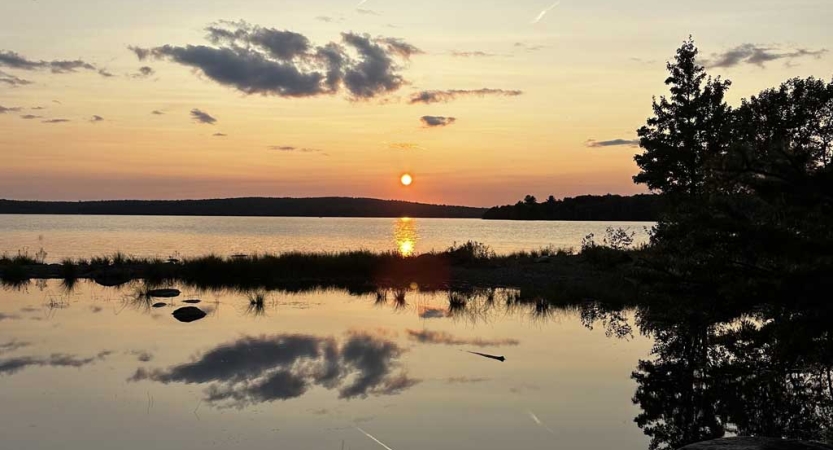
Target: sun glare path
406,179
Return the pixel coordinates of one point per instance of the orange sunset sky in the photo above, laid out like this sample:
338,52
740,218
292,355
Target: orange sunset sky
482,101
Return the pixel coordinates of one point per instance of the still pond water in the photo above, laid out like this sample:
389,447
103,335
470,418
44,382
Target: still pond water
98,367
85,236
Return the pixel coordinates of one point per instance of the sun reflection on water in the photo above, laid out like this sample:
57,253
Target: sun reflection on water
405,234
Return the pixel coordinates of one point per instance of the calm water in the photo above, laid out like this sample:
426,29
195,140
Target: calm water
97,368
85,236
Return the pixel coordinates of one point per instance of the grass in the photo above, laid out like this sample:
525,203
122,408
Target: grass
596,272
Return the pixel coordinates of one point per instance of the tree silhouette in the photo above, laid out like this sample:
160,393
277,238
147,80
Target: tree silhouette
688,129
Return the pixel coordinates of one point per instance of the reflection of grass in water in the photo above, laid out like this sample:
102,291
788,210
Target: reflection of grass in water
399,301
381,297
542,310
257,304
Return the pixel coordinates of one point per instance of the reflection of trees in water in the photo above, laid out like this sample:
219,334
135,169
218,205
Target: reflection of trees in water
768,376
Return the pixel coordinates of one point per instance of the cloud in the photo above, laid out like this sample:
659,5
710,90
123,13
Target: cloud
253,370
376,73
290,148
30,117
96,118
474,54
219,135
16,61
156,112
400,47
757,55
143,72
443,338
11,366
104,73
12,346
403,146
437,121
528,47
427,97
612,143
367,12
4,110
266,61
12,80
329,19
544,12
55,121
202,117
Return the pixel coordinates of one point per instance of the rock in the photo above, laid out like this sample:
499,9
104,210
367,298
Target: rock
159,305
751,443
192,302
189,314
164,293
111,279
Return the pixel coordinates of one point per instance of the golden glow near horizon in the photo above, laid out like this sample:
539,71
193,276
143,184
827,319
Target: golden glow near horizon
406,179
488,110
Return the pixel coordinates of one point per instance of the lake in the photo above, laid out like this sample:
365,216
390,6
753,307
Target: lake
163,236
100,367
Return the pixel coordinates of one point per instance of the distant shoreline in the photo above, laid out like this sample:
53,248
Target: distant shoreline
341,207
607,208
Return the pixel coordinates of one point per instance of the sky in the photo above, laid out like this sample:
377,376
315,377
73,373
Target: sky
481,101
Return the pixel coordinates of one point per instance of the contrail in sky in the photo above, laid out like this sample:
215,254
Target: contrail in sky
543,13
374,439
538,421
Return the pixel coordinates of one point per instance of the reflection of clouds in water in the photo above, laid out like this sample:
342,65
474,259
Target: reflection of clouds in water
4,316
465,380
12,365
405,235
268,368
440,337
12,346
432,312
141,355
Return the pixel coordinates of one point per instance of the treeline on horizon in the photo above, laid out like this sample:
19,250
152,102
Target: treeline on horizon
258,207
588,207
637,208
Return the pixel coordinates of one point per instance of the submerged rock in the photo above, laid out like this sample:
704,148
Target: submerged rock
164,293
192,302
159,305
189,314
750,443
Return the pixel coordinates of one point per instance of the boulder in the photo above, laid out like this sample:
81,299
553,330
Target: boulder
159,305
189,314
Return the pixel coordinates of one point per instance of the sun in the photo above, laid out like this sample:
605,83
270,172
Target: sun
406,179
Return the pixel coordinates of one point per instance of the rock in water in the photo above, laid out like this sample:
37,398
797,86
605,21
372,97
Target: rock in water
159,305
192,302
189,314
750,443
165,293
